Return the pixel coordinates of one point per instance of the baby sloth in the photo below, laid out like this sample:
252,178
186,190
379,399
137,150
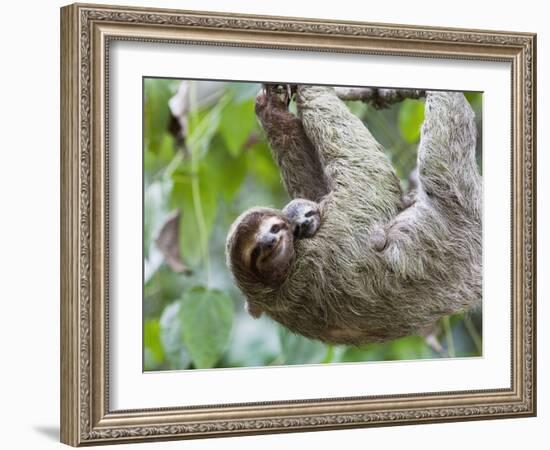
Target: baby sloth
304,217
266,241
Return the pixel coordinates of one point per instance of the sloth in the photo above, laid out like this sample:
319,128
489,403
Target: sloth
375,269
304,217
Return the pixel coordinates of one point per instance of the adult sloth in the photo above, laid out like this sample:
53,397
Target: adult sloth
373,271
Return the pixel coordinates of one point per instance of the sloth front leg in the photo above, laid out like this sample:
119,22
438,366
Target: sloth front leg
364,180
301,169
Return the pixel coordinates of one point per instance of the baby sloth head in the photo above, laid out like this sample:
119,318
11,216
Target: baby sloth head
260,247
304,216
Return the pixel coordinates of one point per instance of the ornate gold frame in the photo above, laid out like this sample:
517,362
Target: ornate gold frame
86,31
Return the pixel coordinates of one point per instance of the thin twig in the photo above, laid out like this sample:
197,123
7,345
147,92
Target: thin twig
449,337
474,335
195,190
329,355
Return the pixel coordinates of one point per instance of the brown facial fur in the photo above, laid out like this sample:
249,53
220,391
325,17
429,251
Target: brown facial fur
252,260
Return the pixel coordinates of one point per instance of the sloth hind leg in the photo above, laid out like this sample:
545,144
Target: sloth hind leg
447,167
447,206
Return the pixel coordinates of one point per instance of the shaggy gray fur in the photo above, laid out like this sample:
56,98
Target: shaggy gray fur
374,271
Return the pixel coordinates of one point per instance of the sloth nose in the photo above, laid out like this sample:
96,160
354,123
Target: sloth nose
304,223
302,227
268,241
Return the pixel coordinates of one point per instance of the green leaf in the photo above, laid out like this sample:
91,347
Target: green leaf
155,209
244,91
237,122
254,342
329,357
297,349
203,127
152,346
182,198
357,108
474,98
154,162
410,119
411,347
262,166
206,317
157,92
171,337
225,172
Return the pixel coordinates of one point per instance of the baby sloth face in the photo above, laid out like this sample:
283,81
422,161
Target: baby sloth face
304,216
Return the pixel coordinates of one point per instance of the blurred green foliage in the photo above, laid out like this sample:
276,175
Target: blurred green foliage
196,318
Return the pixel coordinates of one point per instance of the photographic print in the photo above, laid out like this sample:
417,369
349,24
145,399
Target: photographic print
290,224
304,204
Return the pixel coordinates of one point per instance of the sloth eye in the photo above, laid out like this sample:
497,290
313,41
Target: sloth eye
310,213
275,228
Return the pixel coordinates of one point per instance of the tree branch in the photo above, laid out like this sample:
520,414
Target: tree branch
379,98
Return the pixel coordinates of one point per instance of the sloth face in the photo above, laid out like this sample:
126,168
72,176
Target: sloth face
260,247
271,247
304,216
